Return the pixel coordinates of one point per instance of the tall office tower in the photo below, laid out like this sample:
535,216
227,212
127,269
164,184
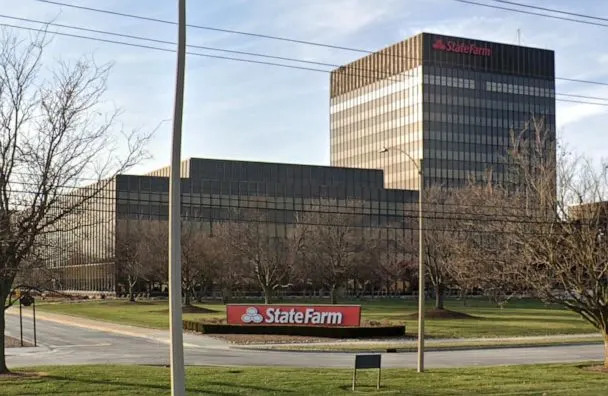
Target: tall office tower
449,101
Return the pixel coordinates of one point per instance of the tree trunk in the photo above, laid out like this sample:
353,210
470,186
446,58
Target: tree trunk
439,297
187,300
4,290
131,285
332,295
605,349
267,295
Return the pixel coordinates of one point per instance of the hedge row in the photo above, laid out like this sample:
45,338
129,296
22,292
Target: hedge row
331,332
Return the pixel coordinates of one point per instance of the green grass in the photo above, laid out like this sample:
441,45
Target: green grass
152,314
519,318
116,380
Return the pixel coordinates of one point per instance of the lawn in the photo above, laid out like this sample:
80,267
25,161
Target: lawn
519,318
116,380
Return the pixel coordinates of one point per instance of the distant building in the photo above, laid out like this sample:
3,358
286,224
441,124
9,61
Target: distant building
447,100
215,191
596,211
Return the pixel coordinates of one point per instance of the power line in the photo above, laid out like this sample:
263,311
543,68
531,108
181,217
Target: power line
582,96
220,49
551,10
158,41
251,34
272,37
225,50
167,49
528,12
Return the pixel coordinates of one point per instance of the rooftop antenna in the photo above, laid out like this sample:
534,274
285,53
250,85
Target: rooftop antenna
518,35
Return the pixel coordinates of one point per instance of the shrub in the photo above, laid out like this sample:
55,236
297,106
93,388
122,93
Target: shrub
317,331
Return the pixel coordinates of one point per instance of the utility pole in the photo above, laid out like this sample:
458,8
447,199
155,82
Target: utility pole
178,382
421,269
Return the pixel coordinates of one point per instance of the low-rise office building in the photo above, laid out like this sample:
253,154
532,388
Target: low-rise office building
217,191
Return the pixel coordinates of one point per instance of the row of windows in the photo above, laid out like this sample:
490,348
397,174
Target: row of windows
480,103
352,150
489,76
385,87
492,86
464,119
455,104
520,89
388,110
449,81
238,171
495,145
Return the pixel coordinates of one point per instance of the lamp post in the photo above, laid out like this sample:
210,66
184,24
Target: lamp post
421,269
176,340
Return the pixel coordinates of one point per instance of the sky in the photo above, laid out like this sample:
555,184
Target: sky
244,111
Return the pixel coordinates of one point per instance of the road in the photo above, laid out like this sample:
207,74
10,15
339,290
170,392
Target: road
62,343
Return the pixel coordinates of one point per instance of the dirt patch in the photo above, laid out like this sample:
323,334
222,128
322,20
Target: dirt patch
18,375
596,369
244,339
442,314
10,342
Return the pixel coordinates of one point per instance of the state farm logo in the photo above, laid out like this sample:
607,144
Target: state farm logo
439,45
461,47
252,316
291,316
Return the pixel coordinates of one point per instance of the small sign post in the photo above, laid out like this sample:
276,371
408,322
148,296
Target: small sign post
26,300
367,362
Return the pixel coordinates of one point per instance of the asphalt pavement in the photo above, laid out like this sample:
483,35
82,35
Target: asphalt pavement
74,343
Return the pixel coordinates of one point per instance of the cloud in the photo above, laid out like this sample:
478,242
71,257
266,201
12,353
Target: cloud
336,17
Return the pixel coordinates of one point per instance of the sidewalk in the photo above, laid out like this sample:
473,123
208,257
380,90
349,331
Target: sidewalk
162,336
439,343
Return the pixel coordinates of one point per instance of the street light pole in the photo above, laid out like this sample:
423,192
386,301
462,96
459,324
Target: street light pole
421,272
178,382
421,269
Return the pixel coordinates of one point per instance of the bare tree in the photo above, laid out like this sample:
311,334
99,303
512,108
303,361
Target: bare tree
54,136
154,250
201,259
130,252
483,256
332,242
562,237
268,255
439,228
552,222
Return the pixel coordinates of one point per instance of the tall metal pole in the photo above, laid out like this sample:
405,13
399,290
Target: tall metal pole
421,272
178,385
421,269
34,317
20,322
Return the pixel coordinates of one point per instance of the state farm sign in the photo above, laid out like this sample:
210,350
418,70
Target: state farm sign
299,315
447,45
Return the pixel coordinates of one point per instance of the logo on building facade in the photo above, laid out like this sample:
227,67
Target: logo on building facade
299,315
460,47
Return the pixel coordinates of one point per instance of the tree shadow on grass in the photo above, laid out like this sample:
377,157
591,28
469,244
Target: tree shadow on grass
158,388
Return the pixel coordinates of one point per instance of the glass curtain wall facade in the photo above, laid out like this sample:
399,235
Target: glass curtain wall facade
470,96
81,249
217,191
377,102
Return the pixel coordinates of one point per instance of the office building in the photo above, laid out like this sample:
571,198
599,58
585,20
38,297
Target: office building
448,101
216,191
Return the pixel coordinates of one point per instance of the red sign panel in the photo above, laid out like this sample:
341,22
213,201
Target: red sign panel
297,315
461,47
